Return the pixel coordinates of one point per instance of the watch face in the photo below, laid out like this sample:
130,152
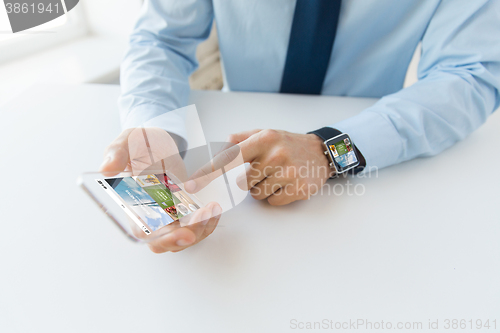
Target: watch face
342,151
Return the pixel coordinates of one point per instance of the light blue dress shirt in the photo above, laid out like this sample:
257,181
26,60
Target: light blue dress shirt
459,70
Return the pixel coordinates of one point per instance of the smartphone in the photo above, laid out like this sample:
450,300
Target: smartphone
145,206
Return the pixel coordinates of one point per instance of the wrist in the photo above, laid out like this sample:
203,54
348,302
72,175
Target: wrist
319,149
327,133
314,138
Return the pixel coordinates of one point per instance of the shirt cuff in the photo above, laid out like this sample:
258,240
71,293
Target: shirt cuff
375,136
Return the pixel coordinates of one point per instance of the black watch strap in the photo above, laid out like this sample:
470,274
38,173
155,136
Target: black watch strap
326,133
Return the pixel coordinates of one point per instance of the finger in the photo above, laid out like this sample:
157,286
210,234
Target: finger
199,220
254,146
267,187
209,228
234,139
202,224
256,173
116,155
175,241
222,162
287,194
241,136
213,222
246,151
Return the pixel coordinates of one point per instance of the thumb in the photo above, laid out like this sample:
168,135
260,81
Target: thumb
115,161
116,156
241,136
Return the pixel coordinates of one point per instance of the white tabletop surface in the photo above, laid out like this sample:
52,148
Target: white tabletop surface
422,243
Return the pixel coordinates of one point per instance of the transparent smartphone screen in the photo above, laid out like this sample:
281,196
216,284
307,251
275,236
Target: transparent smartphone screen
152,201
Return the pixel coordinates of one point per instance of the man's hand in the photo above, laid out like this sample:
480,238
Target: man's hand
141,149
285,166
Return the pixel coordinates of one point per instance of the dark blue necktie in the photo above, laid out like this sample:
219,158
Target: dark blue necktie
311,40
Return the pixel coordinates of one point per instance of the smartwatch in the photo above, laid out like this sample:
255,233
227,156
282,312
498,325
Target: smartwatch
340,151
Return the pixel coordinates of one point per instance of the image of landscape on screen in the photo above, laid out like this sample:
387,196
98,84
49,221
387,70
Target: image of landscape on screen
156,199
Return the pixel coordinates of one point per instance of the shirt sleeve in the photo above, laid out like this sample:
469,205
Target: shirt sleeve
458,88
160,58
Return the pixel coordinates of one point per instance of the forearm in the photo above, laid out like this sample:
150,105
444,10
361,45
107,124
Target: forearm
160,58
422,120
458,88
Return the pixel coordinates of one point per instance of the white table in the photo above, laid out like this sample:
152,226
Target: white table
421,243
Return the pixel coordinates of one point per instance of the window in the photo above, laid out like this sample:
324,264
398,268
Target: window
66,27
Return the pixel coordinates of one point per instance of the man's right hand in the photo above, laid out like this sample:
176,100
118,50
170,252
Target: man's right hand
139,149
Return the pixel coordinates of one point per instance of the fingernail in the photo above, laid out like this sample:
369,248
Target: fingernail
205,217
106,161
183,242
217,210
190,186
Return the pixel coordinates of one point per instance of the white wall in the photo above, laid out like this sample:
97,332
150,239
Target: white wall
93,56
111,17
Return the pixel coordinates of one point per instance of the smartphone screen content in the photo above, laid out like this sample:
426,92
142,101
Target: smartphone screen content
152,201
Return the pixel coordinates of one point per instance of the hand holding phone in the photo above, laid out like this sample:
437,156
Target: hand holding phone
161,213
